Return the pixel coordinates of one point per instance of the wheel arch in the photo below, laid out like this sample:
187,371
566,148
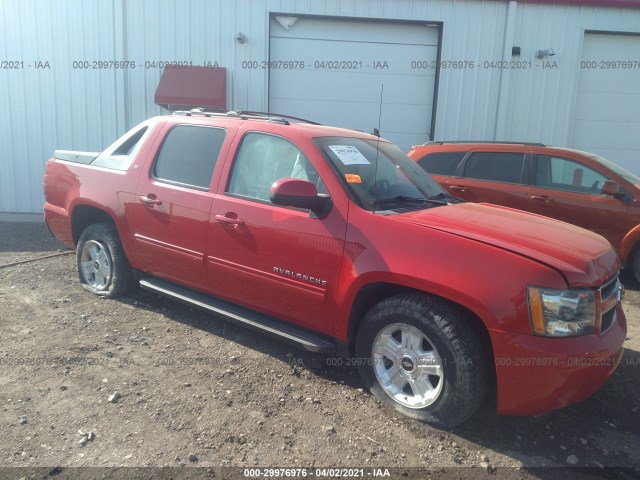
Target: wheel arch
373,293
84,215
629,246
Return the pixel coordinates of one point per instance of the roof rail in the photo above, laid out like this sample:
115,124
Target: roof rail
532,144
270,117
278,115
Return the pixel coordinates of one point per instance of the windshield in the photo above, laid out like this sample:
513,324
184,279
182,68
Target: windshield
628,176
379,176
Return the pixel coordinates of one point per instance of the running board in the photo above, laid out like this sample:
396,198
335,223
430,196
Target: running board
244,316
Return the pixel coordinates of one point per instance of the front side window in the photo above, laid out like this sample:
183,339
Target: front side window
263,159
188,155
379,176
496,167
563,174
617,169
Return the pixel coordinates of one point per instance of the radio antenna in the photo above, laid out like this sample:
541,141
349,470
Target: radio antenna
376,132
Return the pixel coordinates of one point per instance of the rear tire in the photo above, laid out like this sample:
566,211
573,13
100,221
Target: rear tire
103,268
423,357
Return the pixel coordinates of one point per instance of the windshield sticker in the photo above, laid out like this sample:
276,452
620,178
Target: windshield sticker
349,155
352,178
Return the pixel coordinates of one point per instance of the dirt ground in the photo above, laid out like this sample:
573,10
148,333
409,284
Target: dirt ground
197,391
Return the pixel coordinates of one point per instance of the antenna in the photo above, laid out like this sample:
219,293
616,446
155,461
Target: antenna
380,111
376,132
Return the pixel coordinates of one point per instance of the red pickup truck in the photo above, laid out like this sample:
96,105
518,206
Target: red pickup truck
336,241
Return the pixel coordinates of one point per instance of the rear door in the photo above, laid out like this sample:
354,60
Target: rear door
566,189
173,203
278,260
492,177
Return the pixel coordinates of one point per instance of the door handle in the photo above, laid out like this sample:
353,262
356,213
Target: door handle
150,200
230,221
542,198
458,188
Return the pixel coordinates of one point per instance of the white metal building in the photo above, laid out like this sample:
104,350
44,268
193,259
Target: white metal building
562,73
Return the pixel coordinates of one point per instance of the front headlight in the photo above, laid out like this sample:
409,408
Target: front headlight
561,313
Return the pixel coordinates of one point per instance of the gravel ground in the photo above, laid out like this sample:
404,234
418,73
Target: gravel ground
145,382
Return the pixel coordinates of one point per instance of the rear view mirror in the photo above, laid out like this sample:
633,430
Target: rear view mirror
294,192
612,188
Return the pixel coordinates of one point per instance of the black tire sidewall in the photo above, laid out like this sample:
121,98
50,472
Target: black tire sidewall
636,265
440,411
106,234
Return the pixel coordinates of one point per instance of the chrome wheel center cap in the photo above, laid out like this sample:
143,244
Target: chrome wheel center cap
408,364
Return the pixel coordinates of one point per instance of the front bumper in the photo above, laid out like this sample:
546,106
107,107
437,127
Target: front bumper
538,374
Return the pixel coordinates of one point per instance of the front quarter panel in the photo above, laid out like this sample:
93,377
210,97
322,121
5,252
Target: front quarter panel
534,374
489,281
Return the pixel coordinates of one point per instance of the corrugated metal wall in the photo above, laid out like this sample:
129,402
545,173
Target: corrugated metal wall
53,106
542,102
86,109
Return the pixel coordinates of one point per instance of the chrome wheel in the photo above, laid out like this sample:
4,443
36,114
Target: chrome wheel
407,365
95,265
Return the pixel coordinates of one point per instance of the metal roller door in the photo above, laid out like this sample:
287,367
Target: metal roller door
346,62
607,113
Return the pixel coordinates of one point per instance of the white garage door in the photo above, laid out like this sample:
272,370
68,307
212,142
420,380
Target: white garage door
607,114
345,65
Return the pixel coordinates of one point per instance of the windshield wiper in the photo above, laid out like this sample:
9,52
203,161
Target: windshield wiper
405,199
443,195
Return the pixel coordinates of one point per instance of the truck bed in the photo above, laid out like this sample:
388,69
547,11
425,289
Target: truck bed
76,157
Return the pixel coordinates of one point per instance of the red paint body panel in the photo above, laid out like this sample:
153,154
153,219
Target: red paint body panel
308,271
563,372
425,262
581,256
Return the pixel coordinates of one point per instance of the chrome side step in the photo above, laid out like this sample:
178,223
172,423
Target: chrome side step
258,321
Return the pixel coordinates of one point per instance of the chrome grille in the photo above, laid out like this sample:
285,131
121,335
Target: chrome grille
609,288
610,295
608,319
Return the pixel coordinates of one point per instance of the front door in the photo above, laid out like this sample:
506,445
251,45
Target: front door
567,190
278,260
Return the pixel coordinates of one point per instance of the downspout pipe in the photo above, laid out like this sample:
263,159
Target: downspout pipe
501,128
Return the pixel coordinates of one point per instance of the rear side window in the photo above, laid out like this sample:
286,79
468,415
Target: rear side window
497,167
120,154
441,163
131,145
189,155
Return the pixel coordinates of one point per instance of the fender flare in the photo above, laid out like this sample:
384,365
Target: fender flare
628,244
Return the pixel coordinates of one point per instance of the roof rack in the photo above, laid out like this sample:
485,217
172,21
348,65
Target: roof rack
533,144
279,116
269,117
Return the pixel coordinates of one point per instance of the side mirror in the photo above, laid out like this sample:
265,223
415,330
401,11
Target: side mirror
294,192
612,188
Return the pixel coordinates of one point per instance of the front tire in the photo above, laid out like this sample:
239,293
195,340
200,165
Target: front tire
103,268
636,264
423,357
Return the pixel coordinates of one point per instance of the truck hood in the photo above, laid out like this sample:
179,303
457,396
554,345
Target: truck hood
581,256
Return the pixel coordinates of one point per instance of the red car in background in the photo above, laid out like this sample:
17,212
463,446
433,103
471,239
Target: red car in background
569,185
